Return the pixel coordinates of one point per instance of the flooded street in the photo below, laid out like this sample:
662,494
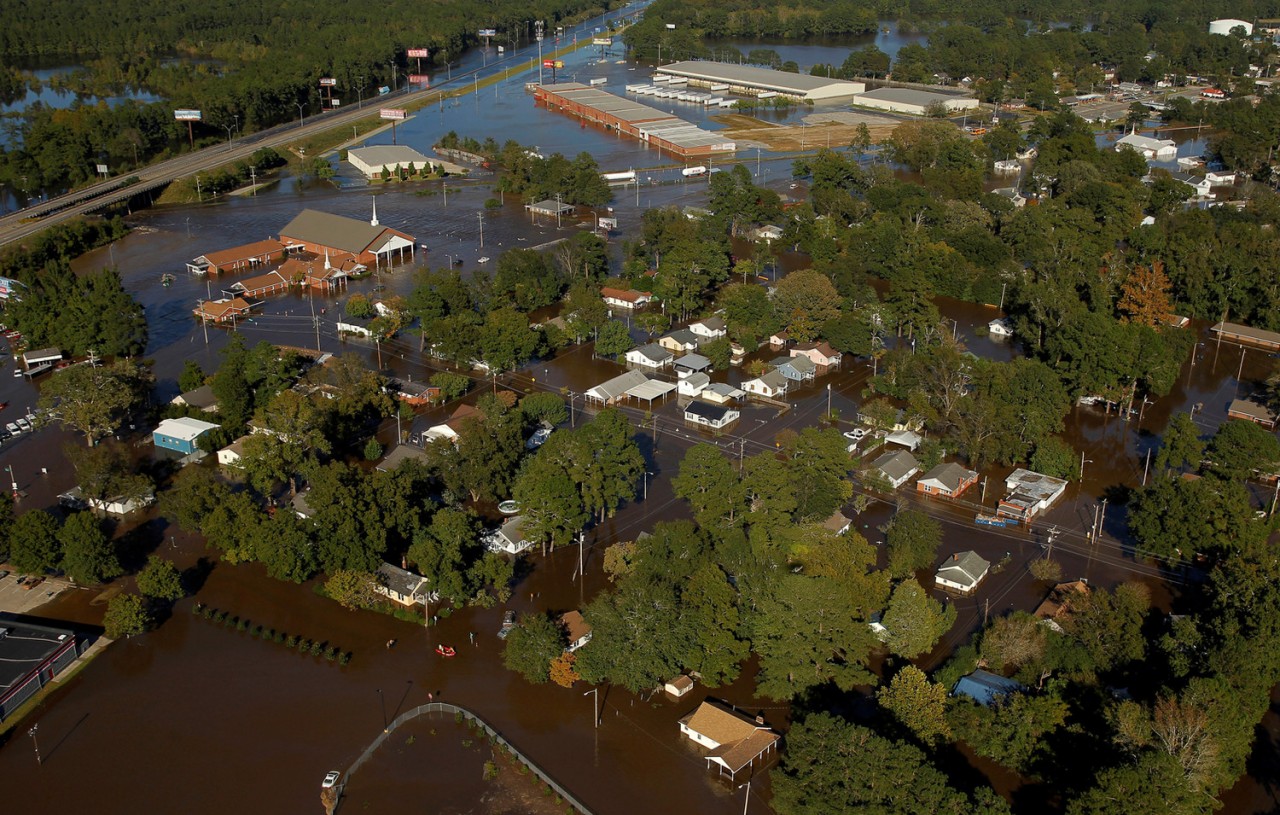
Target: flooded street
200,718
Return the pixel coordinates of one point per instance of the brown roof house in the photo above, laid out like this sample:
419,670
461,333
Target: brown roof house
237,258
576,628
226,310
322,233
736,741
1058,604
1252,411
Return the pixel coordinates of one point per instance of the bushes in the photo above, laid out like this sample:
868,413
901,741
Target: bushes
293,642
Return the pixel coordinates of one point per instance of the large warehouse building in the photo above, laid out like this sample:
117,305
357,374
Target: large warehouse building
372,160
650,125
910,100
30,657
749,80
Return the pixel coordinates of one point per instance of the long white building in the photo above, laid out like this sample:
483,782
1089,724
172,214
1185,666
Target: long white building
751,80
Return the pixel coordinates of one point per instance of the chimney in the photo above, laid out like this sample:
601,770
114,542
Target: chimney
404,562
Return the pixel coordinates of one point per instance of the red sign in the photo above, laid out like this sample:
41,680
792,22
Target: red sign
420,53
548,63
419,79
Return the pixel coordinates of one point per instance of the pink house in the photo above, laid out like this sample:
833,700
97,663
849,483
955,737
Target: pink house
819,353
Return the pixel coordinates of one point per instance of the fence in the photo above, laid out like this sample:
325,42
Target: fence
494,735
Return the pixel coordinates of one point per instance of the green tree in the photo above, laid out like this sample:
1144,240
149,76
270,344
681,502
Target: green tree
1181,445
708,482
95,399
915,621
284,546
613,339
33,542
550,502
1012,729
192,376
531,645
1240,448
544,408
296,435
451,385
912,542
918,704
107,472
1055,457
127,615
446,551
803,301
88,555
1153,784
351,589
160,580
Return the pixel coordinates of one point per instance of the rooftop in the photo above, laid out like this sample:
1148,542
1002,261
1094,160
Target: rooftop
911,96
23,647
326,229
706,410
184,428
763,78
983,687
1033,484
382,155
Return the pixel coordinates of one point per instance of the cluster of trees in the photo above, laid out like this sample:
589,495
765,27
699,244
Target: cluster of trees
40,542
537,177
250,66
96,399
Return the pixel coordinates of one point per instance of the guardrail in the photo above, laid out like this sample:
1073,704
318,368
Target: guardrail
494,735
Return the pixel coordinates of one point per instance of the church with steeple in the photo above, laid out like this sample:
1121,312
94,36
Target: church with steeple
345,243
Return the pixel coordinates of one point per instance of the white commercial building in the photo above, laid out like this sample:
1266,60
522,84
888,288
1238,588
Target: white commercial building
372,160
751,80
913,101
1147,147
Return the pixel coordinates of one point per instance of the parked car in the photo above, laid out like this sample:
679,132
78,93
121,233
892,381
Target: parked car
539,437
32,583
330,779
856,434
4,573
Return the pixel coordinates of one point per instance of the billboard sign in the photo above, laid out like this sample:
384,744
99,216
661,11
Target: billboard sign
419,53
328,82
559,64
395,114
488,32
186,115
602,41
419,79
548,63
102,169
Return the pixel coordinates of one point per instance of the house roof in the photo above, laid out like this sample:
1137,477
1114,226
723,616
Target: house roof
836,522
694,362
650,389
652,351
217,309
706,410
262,281
983,686
1247,332
948,475
1059,600
965,568
245,252
711,324
1252,409
1033,484
773,379
801,364
398,580
184,428
726,390
575,625
383,155
822,347
618,386
681,683
401,453
720,725
736,756
513,530
698,380
627,295
683,336
202,397
326,229
896,465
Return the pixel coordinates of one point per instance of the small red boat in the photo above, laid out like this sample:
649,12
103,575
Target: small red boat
445,651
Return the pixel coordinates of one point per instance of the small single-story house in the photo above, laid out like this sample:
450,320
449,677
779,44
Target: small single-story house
1029,494
261,285
549,206
650,356
1147,147
712,328
709,415
399,454
416,393
405,587
962,572
767,233
680,341
678,686
577,630
948,480
896,467
1058,604
820,354
226,310
1199,184
837,523
75,498
905,438
985,687
357,326
201,398
901,421
508,538
691,364
797,369
233,454
624,298
693,384
736,741
606,393
1013,195
180,434
1252,411
451,428
772,385
1220,178
780,339
1000,327
722,393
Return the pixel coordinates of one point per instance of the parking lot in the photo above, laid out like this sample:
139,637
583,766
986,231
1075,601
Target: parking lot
18,599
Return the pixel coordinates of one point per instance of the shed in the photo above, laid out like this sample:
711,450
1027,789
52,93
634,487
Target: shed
678,686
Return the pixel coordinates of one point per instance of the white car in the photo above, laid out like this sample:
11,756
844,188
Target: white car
539,437
856,434
330,779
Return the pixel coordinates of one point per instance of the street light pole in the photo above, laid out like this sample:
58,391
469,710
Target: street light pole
301,119
594,693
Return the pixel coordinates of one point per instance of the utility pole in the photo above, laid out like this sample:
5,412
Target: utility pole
594,693
1053,533
480,215
1102,519
253,181
538,29
34,742
1147,467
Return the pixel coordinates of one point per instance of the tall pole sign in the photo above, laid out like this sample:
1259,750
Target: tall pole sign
418,54
189,116
394,115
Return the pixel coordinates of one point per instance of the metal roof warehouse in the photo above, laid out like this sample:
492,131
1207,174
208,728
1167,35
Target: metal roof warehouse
752,80
649,125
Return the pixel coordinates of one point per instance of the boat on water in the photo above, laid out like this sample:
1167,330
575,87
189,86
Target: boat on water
167,279
445,651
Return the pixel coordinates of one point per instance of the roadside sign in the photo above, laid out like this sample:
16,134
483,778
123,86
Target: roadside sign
187,115
548,63
419,79
559,64
103,169
488,32
328,82
395,114
606,41
420,53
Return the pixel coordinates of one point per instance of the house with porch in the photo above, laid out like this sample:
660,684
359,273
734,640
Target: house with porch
771,385
404,587
627,299
709,415
508,538
712,328
691,364
962,572
680,341
796,369
650,356
947,480
736,741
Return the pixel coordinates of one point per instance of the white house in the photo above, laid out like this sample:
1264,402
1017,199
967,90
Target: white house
576,629
712,328
837,523
962,572
693,384
650,356
1220,178
507,538
117,505
357,326
624,298
606,393
678,686
1200,184
772,385
1000,327
449,430
897,467
736,741
767,233
1148,148
233,454
1029,494
709,415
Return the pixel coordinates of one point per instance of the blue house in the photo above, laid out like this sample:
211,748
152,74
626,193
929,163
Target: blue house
181,434
985,687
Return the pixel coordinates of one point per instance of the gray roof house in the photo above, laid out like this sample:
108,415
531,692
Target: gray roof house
691,363
201,398
985,687
679,341
710,328
897,467
962,572
405,587
771,384
797,369
650,356
507,538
